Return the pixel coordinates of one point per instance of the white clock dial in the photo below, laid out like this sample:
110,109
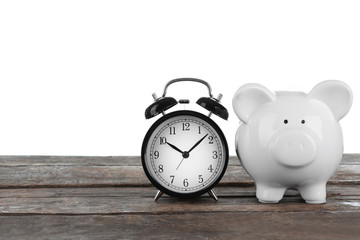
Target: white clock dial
185,153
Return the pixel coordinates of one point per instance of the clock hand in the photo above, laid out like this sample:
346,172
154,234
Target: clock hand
174,147
180,163
196,144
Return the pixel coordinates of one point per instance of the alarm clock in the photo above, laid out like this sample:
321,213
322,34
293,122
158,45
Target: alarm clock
185,153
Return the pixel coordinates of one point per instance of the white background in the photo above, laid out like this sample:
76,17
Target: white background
76,76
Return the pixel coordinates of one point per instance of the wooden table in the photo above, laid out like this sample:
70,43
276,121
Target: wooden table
52,197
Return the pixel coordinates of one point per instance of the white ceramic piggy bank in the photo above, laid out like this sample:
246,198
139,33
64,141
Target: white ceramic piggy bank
291,139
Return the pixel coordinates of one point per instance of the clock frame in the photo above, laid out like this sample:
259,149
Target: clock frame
216,138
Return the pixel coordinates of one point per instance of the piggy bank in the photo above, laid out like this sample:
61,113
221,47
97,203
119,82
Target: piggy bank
291,139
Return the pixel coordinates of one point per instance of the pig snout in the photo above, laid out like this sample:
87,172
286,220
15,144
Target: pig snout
294,148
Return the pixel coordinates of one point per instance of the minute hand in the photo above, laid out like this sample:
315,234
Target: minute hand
198,142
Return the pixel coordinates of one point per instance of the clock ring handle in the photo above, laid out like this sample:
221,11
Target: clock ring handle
188,80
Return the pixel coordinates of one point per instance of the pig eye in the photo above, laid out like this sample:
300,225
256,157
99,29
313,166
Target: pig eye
303,121
286,121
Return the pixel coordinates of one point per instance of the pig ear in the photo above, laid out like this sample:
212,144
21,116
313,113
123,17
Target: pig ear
336,94
248,97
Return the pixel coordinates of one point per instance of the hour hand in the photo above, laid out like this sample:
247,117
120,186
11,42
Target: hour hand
174,147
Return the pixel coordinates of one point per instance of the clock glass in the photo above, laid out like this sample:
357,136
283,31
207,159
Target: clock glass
184,154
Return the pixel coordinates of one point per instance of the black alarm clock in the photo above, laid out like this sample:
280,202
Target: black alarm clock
185,153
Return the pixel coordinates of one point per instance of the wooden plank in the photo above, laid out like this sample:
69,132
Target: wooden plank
140,200
65,176
149,192
341,191
85,176
254,225
12,161
351,159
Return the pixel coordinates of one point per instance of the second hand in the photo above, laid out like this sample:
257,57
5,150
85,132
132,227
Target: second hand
180,163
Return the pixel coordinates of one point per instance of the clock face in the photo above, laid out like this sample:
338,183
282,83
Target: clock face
184,154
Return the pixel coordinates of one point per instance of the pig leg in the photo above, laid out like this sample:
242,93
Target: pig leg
269,194
313,193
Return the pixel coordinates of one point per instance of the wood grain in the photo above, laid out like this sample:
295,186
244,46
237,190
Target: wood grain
11,161
46,171
198,225
79,201
77,197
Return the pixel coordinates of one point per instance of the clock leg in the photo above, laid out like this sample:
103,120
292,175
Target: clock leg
213,194
158,195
